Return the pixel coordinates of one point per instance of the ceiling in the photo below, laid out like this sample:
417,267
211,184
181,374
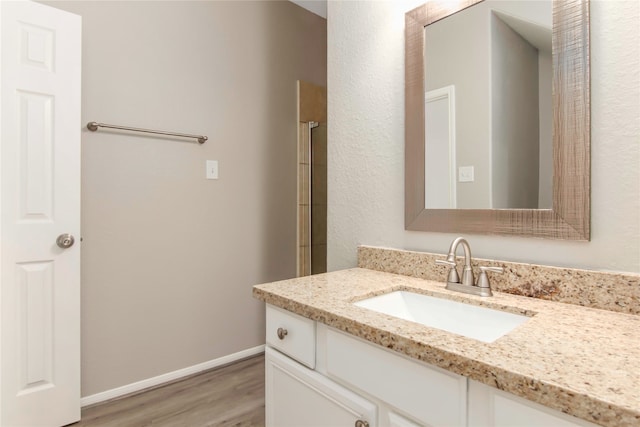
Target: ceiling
319,7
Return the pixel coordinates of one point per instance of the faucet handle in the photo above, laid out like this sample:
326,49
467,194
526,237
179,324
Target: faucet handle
453,272
488,268
483,279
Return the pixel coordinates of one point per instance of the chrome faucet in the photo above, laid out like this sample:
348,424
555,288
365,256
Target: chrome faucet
482,288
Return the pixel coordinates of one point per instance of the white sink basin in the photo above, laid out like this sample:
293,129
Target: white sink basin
483,324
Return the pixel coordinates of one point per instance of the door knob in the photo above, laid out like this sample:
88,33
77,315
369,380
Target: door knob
65,240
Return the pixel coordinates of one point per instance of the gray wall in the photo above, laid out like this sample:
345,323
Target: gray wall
464,61
366,163
169,258
514,119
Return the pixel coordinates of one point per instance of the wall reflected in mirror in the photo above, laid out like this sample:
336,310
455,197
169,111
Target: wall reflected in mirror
488,107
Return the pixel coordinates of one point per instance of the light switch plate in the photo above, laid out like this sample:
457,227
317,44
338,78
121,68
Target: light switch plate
465,174
212,169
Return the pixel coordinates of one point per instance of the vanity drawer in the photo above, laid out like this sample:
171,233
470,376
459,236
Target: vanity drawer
292,335
431,395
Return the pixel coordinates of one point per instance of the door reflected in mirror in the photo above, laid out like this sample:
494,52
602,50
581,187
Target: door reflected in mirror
488,107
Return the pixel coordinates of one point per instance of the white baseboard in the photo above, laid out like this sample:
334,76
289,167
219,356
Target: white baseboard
170,376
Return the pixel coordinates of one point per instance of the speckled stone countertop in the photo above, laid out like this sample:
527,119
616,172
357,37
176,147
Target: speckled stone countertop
596,289
579,360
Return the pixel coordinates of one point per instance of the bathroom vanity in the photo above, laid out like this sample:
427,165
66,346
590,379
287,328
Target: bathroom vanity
331,362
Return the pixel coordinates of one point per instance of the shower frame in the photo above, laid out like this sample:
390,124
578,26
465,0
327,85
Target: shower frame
311,229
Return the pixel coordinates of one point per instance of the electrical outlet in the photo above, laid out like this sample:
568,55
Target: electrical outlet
212,169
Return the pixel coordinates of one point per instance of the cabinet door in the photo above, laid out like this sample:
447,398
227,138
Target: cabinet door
430,395
299,397
490,407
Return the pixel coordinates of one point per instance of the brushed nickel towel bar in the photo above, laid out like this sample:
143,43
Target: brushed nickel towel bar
93,126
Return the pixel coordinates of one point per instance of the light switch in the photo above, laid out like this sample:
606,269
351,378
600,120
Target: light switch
465,174
212,169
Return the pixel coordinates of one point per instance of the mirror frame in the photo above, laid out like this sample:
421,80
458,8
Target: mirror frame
569,219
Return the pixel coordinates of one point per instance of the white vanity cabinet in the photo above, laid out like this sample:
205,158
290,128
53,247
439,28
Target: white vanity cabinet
296,395
319,376
351,382
490,407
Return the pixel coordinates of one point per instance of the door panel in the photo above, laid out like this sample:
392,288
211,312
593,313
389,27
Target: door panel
39,200
35,283
36,145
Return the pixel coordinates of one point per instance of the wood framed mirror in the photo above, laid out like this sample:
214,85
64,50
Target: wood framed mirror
569,216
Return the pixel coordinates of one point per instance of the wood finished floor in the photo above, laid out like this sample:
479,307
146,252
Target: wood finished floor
232,395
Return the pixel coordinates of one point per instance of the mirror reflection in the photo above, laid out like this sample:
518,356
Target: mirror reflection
488,107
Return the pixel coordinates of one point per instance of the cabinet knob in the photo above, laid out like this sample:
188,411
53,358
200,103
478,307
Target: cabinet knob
362,423
282,333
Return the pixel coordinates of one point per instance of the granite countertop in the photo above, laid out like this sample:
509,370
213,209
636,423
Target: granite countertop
578,360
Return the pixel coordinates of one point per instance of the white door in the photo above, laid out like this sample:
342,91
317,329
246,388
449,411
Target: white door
39,200
440,149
